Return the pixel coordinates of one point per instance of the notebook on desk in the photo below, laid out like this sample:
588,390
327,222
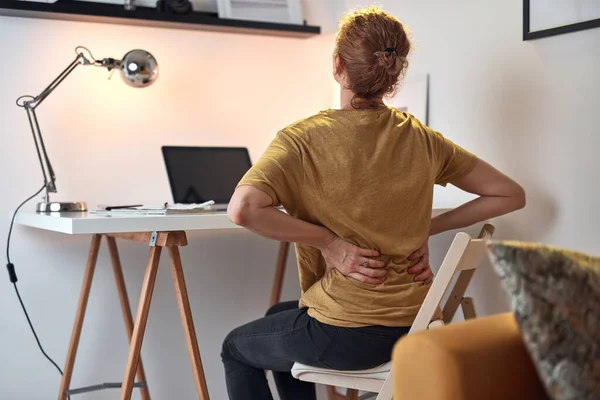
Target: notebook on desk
200,174
165,209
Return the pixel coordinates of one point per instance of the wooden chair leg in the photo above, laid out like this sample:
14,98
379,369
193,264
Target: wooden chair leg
185,312
79,316
141,318
456,296
282,255
468,308
126,308
332,394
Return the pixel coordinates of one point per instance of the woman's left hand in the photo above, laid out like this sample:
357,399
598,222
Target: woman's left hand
422,269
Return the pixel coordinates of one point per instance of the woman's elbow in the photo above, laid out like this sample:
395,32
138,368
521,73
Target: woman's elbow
239,210
520,198
245,205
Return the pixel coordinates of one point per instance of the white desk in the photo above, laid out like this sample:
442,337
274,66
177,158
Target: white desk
85,223
162,231
157,231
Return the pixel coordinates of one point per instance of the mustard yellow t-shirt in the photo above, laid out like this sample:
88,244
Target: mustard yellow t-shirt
368,176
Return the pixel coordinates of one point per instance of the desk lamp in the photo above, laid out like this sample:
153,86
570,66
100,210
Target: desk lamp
138,68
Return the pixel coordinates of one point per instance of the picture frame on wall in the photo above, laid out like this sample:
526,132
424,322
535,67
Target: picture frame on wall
277,11
544,18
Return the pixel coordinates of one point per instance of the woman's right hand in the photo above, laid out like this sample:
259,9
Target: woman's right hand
352,261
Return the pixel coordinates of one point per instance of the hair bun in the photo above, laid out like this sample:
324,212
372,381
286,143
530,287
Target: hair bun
391,61
372,46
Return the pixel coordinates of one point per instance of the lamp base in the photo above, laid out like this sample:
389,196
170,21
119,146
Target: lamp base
56,206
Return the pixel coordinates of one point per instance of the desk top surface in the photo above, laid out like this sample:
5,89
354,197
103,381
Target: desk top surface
85,223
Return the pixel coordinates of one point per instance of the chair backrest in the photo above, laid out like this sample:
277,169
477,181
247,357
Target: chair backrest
457,297
465,253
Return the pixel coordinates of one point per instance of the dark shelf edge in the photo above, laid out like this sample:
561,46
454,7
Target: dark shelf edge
143,16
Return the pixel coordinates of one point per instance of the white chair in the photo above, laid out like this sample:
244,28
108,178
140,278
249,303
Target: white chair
464,256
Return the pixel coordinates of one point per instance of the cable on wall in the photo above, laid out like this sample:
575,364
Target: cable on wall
13,279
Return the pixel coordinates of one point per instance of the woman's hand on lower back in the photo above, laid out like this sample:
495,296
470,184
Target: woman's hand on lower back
422,269
353,261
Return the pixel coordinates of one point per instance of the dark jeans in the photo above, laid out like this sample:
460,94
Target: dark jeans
287,335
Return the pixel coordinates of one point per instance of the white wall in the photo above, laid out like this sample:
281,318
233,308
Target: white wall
104,139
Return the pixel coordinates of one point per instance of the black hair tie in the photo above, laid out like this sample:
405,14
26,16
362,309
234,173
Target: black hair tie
390,50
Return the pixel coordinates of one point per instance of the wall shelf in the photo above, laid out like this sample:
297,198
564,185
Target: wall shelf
146,16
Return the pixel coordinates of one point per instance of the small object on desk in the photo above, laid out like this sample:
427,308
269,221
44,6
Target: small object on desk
155,210
110,208
187,207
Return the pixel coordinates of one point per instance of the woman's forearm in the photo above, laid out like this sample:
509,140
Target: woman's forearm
277,225
251,208
478,210
498,193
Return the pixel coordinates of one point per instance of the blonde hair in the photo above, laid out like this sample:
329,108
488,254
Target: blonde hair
373,47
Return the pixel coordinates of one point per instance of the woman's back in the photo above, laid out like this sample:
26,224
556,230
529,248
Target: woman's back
368,176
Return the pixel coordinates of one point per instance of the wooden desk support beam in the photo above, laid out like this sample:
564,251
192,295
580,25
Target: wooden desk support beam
188,324
163,239
79,316
125,307
282,256
135,331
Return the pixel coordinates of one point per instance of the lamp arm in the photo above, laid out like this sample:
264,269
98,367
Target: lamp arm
37,100
30,106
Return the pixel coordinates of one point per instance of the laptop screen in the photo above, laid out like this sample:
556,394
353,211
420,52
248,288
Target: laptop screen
199,174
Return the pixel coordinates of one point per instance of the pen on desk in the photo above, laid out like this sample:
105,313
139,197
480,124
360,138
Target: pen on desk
110,208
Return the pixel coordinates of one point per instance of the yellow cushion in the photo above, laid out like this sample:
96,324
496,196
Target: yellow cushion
479,359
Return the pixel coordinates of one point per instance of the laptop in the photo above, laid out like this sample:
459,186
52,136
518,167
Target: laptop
199,174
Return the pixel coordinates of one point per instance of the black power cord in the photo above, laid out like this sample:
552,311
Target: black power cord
13,279
10,266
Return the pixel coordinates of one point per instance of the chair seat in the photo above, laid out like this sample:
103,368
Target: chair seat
369,380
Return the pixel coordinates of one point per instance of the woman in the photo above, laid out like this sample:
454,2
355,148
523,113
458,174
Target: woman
358,186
